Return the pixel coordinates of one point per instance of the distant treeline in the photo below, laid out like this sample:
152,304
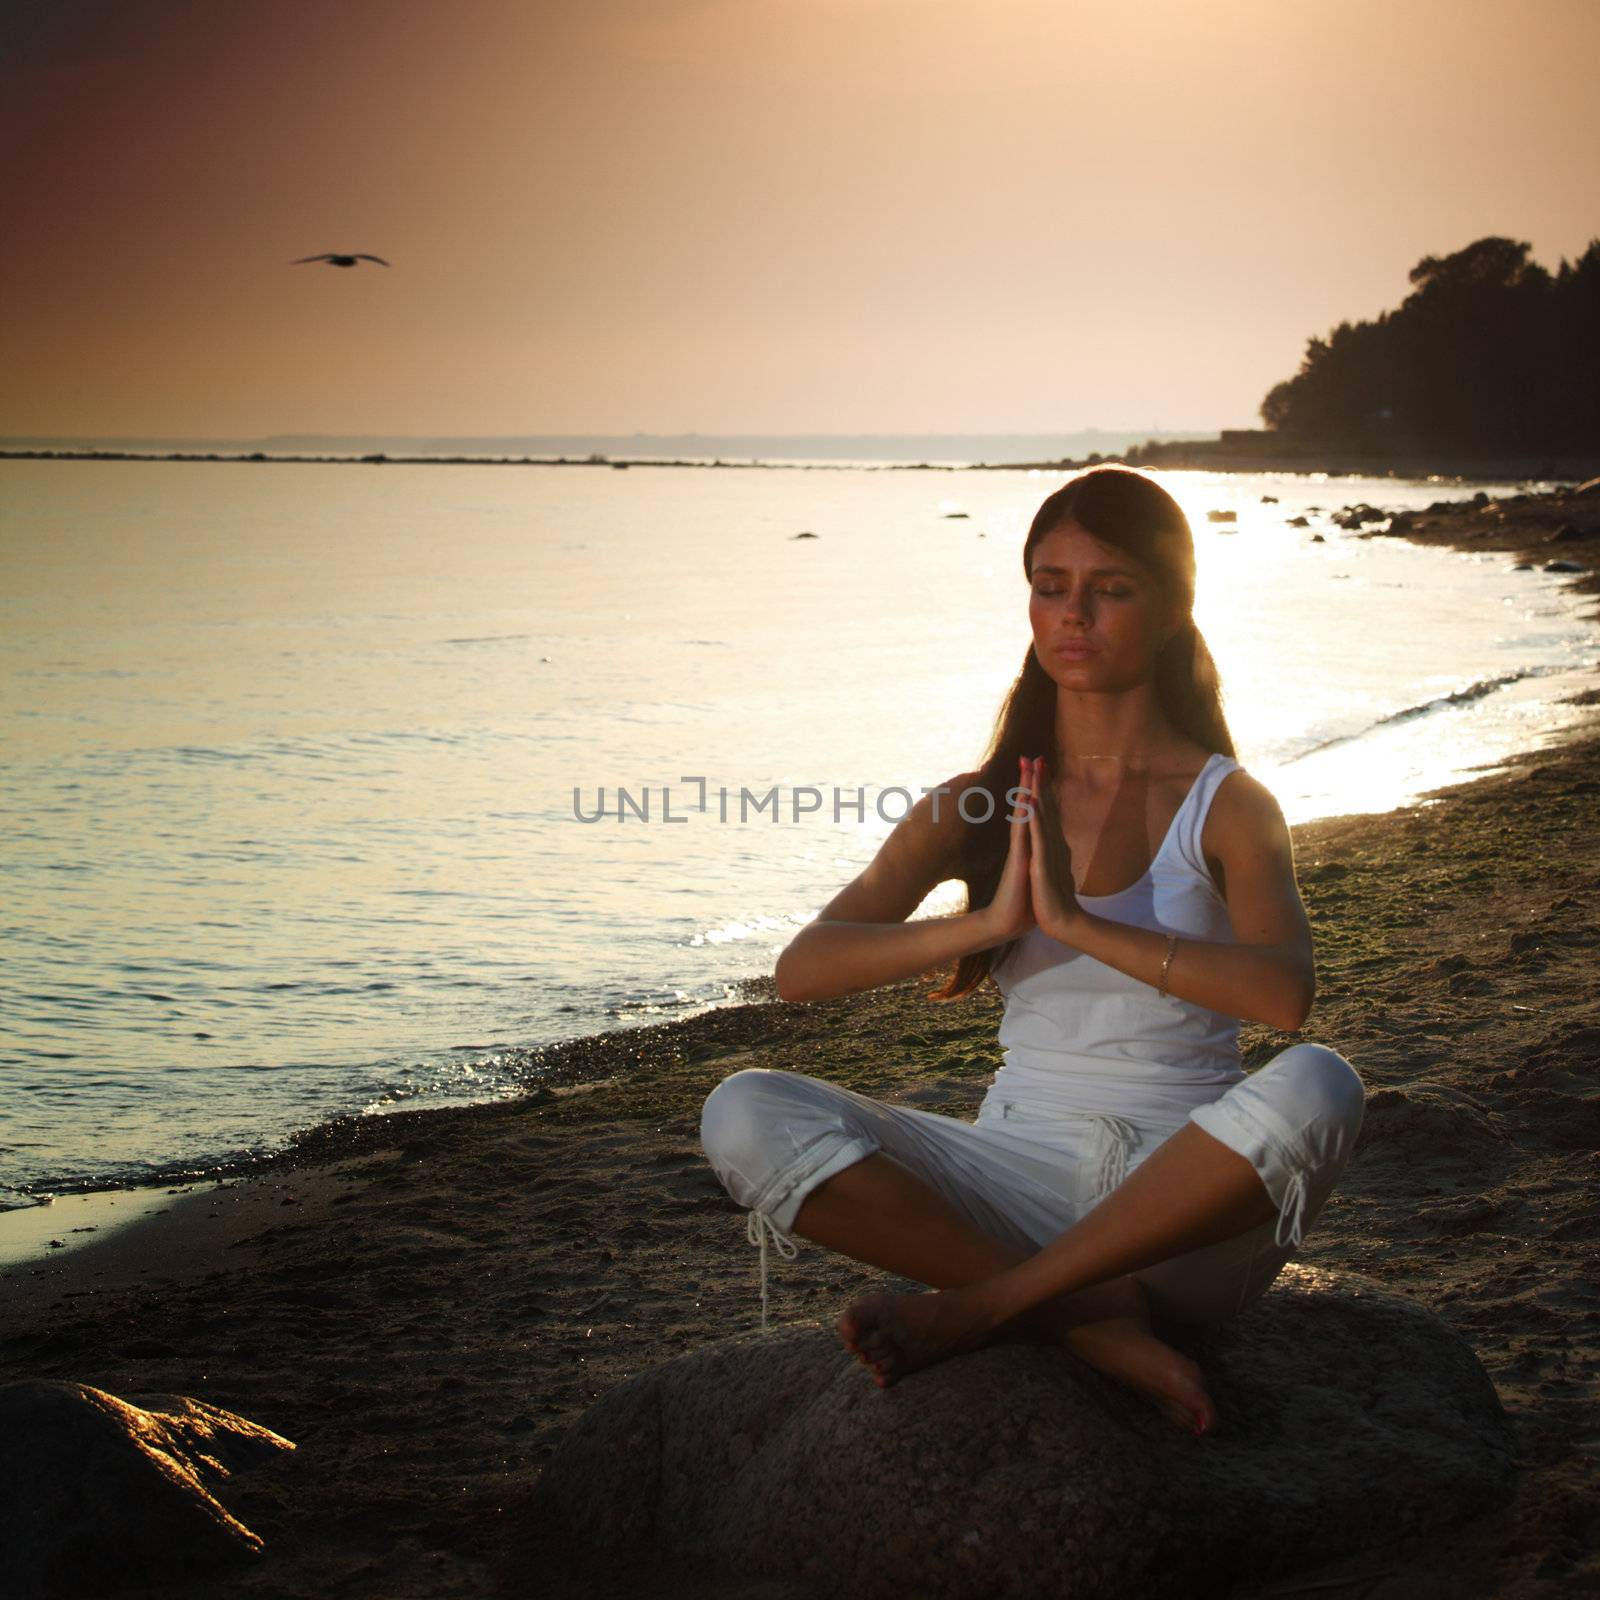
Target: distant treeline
1489,354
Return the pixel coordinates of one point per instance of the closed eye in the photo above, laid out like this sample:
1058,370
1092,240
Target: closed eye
1111,594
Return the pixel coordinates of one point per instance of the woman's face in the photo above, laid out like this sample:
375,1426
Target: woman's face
1098,615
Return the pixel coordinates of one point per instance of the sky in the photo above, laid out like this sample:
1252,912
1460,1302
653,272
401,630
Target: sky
748,216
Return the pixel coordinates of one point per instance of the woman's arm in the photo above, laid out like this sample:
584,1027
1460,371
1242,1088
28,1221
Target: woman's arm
861,938
1269,975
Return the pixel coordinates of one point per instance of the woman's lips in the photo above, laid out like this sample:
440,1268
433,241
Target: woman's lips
1075,651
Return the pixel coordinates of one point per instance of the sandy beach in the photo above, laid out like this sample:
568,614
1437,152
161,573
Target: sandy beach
424,1302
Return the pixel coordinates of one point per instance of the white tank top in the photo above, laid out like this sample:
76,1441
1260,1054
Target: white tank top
1082,1038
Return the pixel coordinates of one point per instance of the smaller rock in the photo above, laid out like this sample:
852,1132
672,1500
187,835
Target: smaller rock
1359,516
103,1494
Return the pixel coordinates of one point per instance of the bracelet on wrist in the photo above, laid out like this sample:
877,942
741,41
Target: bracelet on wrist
1166,966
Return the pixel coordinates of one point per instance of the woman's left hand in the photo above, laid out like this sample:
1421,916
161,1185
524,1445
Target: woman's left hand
1055,898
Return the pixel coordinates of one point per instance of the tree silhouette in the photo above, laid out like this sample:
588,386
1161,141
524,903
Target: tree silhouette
1488,355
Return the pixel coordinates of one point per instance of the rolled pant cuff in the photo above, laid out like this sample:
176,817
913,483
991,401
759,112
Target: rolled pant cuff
780,1200
1269,1145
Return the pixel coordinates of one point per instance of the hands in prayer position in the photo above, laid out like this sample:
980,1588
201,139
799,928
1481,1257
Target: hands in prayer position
1036,887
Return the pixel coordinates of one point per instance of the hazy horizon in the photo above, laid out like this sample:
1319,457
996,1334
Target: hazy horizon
908,447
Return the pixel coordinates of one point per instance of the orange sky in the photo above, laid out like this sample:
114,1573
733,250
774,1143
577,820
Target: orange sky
754,216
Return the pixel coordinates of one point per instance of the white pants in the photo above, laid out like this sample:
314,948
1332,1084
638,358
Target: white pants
1026,1176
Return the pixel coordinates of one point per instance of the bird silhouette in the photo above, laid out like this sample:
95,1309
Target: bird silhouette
338,260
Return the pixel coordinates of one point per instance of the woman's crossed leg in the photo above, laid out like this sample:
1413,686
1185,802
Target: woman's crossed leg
965,1209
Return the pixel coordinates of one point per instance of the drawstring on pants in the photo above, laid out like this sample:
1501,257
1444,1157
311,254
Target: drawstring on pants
1295,1196
1119,1138
757,1228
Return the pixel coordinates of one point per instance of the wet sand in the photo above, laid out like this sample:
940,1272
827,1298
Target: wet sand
425,1302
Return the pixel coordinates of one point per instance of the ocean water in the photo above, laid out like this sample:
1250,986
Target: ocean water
295,757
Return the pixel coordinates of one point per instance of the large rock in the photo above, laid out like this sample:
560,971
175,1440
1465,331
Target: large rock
99,1494
1348,1416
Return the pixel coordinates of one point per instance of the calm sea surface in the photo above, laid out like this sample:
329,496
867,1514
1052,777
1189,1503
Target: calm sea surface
290,752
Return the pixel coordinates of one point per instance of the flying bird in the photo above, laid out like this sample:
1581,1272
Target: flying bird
339,261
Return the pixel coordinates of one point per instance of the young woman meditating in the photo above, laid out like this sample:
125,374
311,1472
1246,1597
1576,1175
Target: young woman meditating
1132,895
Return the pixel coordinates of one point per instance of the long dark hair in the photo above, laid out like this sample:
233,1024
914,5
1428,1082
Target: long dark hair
1133,512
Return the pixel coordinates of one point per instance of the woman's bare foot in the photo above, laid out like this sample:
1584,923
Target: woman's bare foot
896,1334
1125,1349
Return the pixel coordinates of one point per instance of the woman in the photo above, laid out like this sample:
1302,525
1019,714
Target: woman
1133,896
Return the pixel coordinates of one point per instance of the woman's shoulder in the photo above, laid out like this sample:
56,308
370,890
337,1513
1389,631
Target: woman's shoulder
963,781
944,802
1242,813
942,816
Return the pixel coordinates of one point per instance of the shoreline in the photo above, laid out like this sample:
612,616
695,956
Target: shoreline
1203,455
425,1301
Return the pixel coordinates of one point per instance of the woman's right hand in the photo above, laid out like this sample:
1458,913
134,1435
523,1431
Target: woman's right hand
1010,913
